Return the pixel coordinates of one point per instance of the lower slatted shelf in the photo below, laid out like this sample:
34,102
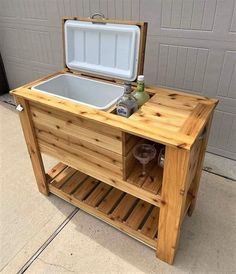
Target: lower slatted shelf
125,212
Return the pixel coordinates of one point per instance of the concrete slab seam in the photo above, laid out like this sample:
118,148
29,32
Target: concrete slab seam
47,242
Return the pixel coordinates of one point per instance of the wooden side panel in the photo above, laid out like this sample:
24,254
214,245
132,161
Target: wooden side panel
98,147
199,165
194,158
174,192
49,140
32,145
129,142
92,132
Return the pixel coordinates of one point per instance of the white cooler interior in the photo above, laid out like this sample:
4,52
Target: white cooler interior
103,49
92,93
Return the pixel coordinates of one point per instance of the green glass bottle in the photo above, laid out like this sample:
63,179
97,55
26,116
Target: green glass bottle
140,94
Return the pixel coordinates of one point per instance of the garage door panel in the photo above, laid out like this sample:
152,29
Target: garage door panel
183,67
232,138
207,71
226,104
195,19
223,134
222,124
226,86
188,14
232,86
151,59
232,27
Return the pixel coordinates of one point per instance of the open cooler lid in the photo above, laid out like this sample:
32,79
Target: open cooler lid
106,49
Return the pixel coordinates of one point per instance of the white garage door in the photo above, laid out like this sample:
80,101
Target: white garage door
191,46
194,43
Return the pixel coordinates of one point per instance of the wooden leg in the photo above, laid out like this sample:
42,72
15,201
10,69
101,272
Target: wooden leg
193,191
174,192
32,145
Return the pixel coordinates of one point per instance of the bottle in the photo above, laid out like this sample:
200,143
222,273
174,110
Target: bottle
140,94
127,104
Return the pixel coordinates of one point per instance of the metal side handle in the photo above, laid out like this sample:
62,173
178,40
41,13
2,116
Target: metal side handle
97,14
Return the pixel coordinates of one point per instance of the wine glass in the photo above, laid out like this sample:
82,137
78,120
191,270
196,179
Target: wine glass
144,153
161,157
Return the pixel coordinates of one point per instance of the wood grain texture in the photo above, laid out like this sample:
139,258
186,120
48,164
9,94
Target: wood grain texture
138,214
151,225
96,159
98,194
99,172
124,208
53,172
32,145
174,192
91,132
63,177
157,126
123,211
152,181
83,191
193,190
74,182
110,201
197,120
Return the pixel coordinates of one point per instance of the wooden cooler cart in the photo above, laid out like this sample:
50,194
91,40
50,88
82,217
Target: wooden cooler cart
97,171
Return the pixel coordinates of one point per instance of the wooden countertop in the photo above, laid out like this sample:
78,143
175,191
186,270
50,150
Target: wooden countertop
170,117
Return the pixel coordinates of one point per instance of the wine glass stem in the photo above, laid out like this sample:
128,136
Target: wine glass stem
144,170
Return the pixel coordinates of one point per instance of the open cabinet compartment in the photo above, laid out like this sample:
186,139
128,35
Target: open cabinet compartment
125,212
132,169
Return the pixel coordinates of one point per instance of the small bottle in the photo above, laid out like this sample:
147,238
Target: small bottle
140,94
127,104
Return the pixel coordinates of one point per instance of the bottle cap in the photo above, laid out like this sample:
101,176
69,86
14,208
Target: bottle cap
141,78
